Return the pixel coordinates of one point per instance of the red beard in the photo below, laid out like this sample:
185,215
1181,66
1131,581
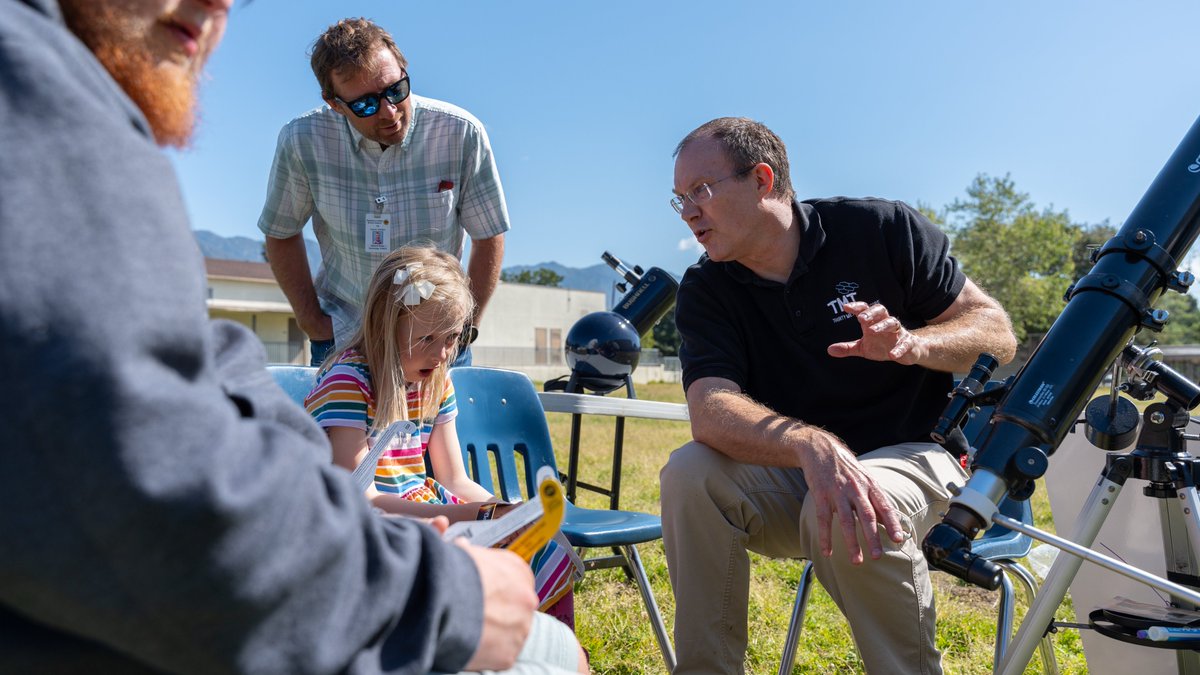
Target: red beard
165,93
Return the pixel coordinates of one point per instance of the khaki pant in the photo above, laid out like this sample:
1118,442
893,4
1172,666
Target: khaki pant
714,509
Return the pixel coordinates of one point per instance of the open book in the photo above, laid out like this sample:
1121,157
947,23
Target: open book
533,522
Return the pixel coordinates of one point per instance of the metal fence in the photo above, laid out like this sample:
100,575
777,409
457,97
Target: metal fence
513,357
286,352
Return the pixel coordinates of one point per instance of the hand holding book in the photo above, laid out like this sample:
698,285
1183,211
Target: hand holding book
525,528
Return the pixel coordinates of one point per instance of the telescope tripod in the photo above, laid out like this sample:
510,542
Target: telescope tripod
1105,309
1161,459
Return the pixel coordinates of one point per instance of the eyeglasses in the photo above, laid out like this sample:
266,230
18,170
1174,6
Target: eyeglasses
703,192
368,104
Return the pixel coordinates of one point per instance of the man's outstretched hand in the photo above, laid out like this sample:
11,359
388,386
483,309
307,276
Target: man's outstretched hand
884,338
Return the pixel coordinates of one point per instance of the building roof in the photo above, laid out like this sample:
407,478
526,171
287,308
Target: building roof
239,269
249,306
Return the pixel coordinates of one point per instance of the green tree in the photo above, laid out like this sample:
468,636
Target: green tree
1092,237
539,277
666,335
1183,326
1023,257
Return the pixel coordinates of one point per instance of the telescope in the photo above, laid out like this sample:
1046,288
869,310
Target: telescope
1037,407
603,348
651,296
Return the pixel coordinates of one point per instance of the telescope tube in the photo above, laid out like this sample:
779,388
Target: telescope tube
1104,309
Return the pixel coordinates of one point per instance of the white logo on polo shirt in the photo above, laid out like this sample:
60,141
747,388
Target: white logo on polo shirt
846,292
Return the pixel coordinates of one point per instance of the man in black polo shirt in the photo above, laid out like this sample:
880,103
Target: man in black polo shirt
819,338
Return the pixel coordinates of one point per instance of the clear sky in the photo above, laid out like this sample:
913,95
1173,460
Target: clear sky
1082,102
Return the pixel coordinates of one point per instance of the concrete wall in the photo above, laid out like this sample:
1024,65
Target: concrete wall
525,325
516,312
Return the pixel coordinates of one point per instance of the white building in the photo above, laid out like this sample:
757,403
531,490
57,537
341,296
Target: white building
246,292
523,328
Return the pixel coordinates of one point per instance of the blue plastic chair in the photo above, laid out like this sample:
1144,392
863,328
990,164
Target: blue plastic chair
296,381
501,424
998,544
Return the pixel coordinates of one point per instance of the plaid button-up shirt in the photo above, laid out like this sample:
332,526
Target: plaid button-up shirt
438,184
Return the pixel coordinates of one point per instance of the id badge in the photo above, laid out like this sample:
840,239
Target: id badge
379,234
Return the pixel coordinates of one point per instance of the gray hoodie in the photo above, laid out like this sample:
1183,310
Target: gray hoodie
163,506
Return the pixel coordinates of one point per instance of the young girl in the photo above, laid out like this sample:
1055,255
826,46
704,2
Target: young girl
395,368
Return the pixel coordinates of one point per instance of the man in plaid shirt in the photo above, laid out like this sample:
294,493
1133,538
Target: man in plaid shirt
375,169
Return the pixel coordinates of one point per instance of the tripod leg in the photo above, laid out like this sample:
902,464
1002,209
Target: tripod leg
1091,518
1181,535
1181,532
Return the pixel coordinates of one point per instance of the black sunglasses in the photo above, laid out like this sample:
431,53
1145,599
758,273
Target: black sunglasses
368,104
470,334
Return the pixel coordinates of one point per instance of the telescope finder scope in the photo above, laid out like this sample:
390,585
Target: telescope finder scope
961,397
631,275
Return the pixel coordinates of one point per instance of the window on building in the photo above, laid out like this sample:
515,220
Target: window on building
547,346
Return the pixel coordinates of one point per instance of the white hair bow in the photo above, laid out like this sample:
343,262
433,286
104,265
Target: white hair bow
412,292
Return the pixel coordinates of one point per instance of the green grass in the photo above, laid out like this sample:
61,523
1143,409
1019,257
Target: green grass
611,622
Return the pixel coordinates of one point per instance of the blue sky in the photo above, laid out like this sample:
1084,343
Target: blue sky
1082,102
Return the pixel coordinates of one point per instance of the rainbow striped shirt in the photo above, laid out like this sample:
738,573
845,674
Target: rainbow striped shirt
342,397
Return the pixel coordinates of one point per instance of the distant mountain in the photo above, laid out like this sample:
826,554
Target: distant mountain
599,277
213,245
229,248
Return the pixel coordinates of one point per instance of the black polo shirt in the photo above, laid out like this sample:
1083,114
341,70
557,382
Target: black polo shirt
771,338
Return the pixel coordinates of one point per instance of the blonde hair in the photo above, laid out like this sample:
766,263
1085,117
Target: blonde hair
386,327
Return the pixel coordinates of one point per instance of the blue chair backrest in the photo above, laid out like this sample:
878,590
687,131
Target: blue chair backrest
500,421
296,381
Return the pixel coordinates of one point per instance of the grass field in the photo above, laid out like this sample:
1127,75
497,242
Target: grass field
611,622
